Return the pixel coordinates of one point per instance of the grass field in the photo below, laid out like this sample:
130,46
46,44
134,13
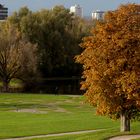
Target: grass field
33,114
101,135
15,83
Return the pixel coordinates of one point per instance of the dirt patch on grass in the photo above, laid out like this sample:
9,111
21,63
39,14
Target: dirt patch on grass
59,109
43,109
69,101
30,111
37,111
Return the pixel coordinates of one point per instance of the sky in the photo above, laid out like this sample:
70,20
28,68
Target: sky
87,5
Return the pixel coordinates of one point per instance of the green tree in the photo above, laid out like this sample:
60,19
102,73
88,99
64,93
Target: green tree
57,34
18,57
111,62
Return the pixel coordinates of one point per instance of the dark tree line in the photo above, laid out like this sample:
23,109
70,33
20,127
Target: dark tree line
57,35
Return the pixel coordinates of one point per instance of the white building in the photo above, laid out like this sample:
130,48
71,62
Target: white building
98,15
77,10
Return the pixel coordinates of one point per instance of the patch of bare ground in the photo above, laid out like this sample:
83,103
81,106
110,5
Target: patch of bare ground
30,111
59,109
68,101
49,107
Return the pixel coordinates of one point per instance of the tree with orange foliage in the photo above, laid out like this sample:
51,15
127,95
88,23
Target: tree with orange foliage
111,63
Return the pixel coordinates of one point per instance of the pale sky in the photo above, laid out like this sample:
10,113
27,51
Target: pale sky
87,5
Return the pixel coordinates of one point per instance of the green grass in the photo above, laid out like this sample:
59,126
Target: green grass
35,114
14,83
100,135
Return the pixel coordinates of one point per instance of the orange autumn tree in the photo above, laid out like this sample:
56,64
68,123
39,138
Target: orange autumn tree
111,63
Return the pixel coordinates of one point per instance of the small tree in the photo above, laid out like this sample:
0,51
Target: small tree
111,62
17,57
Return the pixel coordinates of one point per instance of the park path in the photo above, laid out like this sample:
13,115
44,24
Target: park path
127,137
51,135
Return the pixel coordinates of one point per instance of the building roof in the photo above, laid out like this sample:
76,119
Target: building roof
98,11
1,6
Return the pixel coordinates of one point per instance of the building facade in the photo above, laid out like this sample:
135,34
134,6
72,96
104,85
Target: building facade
98,15
3,12
76,10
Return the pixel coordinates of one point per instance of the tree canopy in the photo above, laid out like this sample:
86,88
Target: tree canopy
57,34
111,63
18,57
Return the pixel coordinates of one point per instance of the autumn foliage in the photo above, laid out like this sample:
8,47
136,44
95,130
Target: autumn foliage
111,63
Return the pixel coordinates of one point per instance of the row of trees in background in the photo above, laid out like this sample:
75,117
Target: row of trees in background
40,44
57,34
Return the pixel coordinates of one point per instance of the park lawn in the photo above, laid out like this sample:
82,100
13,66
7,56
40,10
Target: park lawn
100,135
37,114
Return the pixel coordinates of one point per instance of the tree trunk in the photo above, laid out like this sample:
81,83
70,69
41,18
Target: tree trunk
125,122
5,86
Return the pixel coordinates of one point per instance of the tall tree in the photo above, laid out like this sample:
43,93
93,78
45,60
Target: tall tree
57,34
111,62
17,57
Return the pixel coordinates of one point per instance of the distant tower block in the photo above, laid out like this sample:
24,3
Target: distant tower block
98,15
76,10
3,12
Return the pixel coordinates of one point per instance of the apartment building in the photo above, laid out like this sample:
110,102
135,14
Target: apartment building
3,12
76,10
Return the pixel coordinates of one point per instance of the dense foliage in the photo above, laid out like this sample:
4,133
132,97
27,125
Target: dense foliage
57,34
111,62
17,57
